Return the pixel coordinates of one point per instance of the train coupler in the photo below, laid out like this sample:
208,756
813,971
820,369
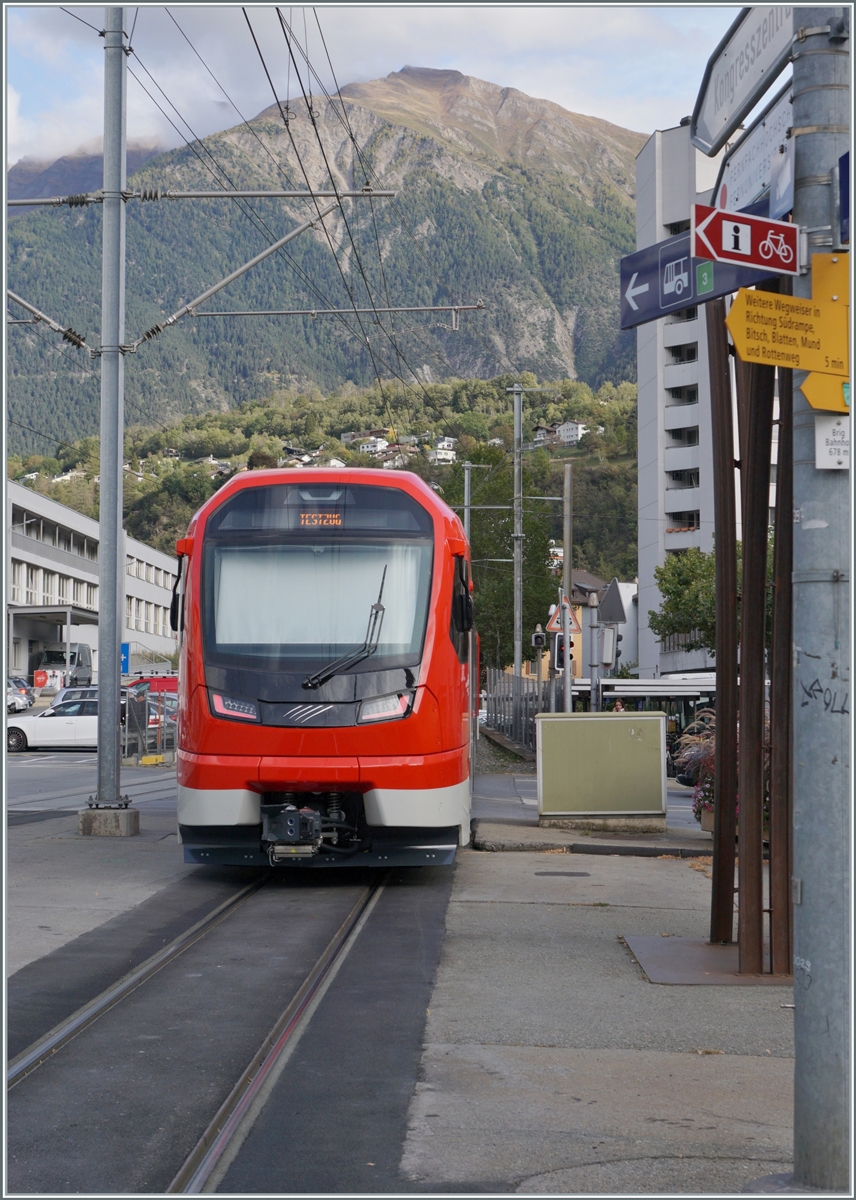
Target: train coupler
290,832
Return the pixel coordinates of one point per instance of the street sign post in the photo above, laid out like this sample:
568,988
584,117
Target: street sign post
745,240
664,277
753,53
747,168
790,331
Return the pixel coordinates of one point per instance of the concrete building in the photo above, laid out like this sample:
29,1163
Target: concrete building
53,585
675,450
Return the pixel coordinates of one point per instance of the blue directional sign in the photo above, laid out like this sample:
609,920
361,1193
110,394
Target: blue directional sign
126,657
664,277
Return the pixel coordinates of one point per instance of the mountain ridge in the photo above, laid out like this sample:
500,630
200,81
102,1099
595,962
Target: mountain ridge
512,200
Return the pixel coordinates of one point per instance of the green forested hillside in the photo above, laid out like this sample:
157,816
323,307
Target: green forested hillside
166,480
534,231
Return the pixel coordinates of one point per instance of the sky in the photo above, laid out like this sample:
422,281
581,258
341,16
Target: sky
637,66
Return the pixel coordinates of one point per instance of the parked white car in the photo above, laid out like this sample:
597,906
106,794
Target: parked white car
72,723
15,702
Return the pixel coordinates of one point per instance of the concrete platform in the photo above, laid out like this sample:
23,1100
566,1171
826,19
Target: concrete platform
553,1066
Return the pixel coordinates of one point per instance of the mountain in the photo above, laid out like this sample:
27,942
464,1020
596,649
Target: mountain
499,197
70,175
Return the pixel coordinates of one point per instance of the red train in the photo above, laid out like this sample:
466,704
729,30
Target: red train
324,693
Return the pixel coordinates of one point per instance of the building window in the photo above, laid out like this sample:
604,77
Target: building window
64,589
150,573
130,566
149,617
48,587
158,577
17,583
79,592
33,585
92,595
138,614
16,654
129,612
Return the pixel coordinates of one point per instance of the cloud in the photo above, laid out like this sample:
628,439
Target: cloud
639,67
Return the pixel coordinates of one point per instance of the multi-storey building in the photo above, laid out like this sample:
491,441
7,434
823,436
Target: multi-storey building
53,584
675,451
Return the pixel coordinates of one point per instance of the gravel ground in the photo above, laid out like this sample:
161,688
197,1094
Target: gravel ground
494,760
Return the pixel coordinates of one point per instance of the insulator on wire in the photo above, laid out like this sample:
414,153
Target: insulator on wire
152,333
77,201
147,194
76,339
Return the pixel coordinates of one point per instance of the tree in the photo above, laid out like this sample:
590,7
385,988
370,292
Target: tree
687,583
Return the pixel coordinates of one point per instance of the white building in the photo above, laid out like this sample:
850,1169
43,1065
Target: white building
675,451
570,432
52,561
442,456
374,445
445,443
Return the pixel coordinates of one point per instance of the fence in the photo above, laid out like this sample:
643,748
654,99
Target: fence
149,725
501,706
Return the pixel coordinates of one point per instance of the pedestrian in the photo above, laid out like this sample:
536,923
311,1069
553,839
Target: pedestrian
618,706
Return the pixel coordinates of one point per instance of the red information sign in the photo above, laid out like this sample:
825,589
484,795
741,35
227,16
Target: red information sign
745,241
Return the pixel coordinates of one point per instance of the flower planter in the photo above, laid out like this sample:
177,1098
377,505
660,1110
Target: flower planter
707,820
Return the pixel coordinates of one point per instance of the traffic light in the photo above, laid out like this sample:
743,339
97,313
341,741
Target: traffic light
619,637
559,658
539,638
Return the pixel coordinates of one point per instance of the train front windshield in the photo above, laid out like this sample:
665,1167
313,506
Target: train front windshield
292,574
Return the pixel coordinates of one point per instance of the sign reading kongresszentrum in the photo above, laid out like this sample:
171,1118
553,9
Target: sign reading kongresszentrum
754,51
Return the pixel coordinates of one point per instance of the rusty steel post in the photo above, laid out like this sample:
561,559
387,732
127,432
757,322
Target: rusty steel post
755,390
780,689
725,777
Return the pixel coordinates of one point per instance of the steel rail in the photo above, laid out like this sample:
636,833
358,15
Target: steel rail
31,1058
215,1141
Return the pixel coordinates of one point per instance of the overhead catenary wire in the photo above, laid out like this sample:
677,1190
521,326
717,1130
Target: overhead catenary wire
247,209
357,256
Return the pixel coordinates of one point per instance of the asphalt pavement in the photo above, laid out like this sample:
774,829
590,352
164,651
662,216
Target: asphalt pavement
491,1033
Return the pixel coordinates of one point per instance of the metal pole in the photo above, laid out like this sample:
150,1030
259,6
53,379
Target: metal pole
518,553
539,656
568,530
468,467
725,527
594,666
781,915
567,578
821,630
568,690
111,575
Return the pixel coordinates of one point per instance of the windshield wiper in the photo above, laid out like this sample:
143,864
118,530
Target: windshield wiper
368,647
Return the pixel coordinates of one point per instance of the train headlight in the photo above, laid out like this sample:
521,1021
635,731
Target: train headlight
232,707
385,708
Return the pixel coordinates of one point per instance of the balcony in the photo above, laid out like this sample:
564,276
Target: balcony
681,333
677,375
681,416
681,458
681,539
681,500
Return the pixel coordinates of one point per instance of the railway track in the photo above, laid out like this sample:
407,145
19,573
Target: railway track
99,1042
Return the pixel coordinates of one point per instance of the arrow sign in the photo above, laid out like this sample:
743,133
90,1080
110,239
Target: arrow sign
633,290
745,240
753,53
789,331
664,277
